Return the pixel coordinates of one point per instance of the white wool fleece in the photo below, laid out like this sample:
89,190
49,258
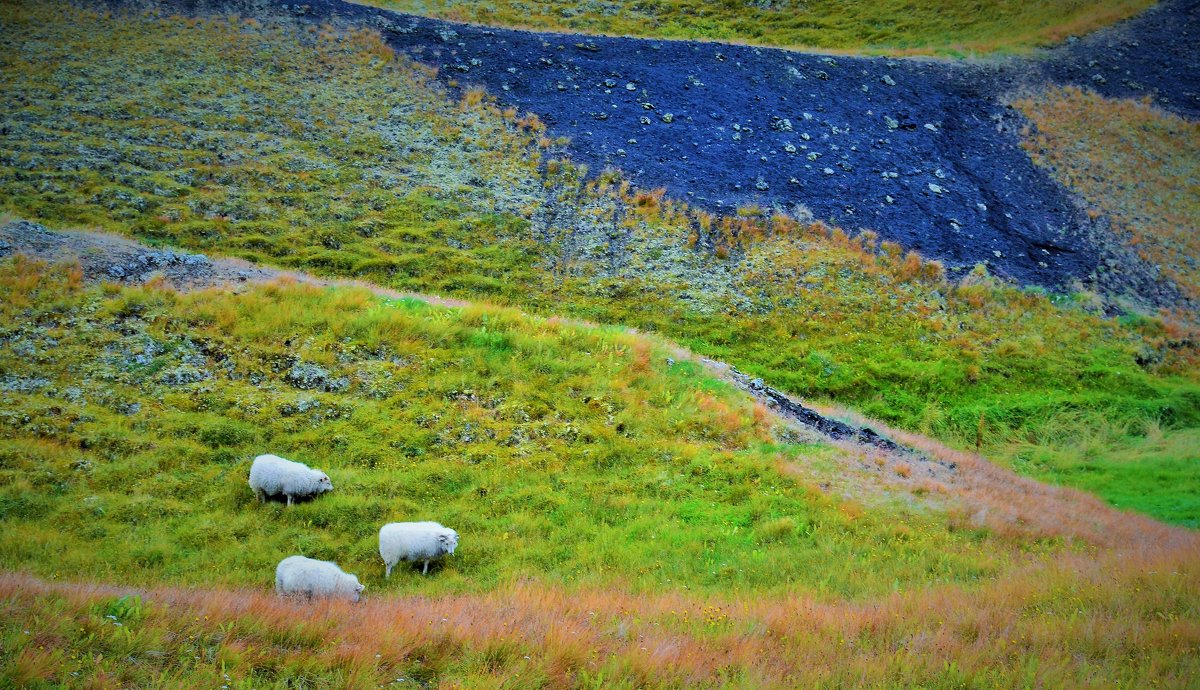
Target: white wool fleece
308,577
415,541
271,475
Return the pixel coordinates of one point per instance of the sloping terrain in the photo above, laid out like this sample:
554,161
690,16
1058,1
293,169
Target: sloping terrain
922,152
919,152
132,414
224,224
601,543
374,171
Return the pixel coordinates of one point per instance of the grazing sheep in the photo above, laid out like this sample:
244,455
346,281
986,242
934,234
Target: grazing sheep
271,475
297,575
415,541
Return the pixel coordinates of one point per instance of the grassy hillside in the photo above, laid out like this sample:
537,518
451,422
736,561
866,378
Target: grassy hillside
627,518
889,26
563,453
317,150
624,522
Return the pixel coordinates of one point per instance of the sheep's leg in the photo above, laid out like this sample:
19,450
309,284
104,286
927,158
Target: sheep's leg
260,495
425,570
289,497
389,570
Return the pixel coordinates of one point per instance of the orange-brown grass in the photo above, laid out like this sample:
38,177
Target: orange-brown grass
1136,164
1081,620
1006,503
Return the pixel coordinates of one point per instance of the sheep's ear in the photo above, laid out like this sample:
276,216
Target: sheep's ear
361,587
444,538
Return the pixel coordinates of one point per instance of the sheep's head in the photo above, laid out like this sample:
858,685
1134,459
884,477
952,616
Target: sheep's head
448,540
353,587
323,483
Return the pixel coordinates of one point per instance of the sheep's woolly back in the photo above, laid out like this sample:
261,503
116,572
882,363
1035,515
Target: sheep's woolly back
273,475
297,575
415,541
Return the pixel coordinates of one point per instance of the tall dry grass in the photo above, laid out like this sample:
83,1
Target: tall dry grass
1082,620
1007,503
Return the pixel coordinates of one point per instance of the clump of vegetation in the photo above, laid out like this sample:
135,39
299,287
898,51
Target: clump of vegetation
456,196
1131,162
888,26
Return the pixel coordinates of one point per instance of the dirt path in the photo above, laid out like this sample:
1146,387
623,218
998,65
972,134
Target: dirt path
118,259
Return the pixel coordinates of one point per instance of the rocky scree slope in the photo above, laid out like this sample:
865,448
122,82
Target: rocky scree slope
923,152
1154,55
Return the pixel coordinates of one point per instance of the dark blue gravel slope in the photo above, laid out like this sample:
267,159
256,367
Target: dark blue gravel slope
1157,54
921,151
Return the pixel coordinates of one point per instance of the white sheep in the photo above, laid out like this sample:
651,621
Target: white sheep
415,541
271,475
297,575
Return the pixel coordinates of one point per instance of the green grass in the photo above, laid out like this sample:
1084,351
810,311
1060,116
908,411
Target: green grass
1154,474
362,166
566,454
885,26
